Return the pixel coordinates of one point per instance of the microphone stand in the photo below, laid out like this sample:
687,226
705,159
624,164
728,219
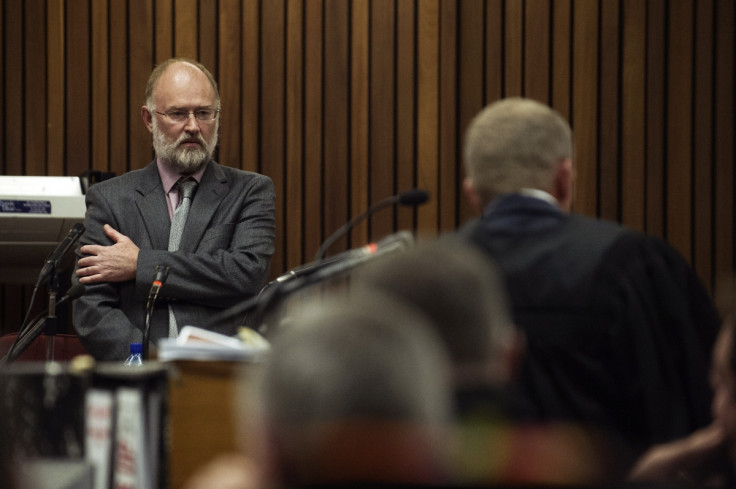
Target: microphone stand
389,201
51,322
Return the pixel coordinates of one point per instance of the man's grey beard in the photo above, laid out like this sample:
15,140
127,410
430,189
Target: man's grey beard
179,158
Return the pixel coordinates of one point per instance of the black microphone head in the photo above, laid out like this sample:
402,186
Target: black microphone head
415,196
78,228
75,291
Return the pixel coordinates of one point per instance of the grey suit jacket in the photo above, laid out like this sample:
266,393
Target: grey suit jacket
223,258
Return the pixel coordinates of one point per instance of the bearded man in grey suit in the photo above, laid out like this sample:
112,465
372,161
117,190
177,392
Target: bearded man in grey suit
226,245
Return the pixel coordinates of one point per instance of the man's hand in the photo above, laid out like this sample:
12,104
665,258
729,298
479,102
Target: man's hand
114,263
687,460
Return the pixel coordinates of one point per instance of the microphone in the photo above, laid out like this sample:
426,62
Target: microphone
399,240
310,274
55,257
410,197
26,336
160,275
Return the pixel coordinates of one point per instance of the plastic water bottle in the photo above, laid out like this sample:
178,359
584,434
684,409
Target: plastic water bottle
136,355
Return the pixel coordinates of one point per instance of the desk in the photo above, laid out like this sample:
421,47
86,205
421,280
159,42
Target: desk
203,421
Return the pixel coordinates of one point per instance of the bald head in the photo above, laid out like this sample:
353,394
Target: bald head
175,69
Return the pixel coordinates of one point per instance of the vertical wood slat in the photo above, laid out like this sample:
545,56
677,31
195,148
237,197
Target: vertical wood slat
513,29
561,57
100,82
335,130
207,28
703,141
608,142
120,142
655,113
471,90
14,118
536,50
250,85
294,158
382,109
724,141
231,84
679,127
405,111
314,126
585,115
164,30
437,84
433,139
633,113
186,31
345,102
35,84
78,114
273,106
140,63
360,108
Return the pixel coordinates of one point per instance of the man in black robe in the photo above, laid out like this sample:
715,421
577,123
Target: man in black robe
619,329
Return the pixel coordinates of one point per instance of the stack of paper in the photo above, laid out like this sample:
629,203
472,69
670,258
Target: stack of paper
195,343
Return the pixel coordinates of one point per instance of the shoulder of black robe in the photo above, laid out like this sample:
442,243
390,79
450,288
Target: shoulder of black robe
665,327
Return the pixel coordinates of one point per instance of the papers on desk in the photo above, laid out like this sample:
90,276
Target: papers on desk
200,344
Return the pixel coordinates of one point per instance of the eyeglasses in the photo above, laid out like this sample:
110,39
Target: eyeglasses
179,116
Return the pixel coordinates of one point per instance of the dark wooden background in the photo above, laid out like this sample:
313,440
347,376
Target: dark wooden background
345,102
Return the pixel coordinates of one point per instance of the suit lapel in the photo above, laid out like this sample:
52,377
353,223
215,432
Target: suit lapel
152,206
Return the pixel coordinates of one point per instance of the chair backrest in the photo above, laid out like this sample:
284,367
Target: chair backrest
66,347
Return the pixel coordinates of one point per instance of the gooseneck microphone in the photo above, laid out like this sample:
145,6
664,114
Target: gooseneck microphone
55,257
410,197
160,275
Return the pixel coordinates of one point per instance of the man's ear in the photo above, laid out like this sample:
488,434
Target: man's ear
147,118
472,195
563,186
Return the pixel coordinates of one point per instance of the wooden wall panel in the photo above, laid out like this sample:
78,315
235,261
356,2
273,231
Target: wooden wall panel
35,83
360,106
633,113
609,100
118,160
434,172
12,110
437,95
584,114
654,157
702,203
100,82
314,128
382,122
405,117
294,125
724,156
272,122
679,128
335,138
561,56
345,102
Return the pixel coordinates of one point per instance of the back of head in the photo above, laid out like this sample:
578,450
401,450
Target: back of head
457,287
346,382
515,143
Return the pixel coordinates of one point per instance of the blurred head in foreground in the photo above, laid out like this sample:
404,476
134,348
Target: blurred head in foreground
460,290
354,391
